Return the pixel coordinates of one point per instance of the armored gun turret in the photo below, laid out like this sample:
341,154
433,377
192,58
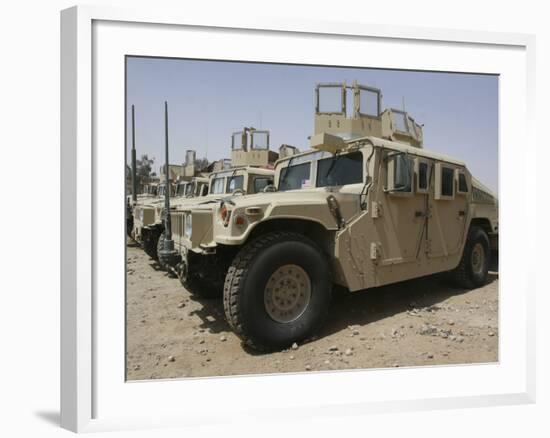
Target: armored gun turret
355,111
250,147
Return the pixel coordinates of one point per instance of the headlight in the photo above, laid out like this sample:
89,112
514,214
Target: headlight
188,225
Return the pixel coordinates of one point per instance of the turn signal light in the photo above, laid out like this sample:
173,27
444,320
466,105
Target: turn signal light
240,220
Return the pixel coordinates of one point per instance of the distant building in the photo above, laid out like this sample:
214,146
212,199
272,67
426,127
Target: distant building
176,171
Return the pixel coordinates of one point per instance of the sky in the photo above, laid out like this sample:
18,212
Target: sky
209,100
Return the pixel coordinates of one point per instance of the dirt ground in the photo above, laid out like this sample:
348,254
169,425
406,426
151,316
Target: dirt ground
172,334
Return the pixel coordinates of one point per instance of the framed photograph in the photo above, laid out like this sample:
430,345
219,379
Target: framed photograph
258,208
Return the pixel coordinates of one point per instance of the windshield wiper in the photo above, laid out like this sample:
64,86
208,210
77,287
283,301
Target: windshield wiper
287,168
334,160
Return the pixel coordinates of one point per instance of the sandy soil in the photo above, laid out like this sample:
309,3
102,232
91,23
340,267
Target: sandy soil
419,322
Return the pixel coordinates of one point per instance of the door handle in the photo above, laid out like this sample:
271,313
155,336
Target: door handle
462,213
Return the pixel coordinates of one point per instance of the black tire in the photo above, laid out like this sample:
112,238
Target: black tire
129,225
464,274
246,280
150,244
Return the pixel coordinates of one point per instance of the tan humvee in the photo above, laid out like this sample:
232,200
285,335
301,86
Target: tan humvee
147,214
251,162
149,194
367,206
149,224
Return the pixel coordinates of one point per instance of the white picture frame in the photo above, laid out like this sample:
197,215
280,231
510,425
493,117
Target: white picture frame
93,395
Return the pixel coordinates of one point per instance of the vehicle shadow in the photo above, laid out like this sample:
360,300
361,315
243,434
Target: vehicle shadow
156,266
357,308
211,314
364,307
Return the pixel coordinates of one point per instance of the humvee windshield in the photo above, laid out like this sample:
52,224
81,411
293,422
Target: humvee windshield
295,177
234,183
340,170
261,183
181,189
218,185
189,189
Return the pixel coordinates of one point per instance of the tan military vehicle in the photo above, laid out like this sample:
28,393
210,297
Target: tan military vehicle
149,194
367,206
145,214
251,172
148,210
221,184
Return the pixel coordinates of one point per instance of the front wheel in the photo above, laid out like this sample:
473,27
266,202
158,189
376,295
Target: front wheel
473,269
277,290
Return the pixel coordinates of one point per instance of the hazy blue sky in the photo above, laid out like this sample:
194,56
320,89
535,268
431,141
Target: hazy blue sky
208,100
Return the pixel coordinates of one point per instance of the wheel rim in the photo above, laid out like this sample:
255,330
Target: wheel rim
287,293
478,258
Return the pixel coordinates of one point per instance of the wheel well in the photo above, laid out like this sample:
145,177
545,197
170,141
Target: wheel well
311,229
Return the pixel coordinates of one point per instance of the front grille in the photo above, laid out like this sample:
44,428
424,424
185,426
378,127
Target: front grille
178,223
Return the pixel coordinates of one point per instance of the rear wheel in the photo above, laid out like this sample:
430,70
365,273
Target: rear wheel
473,269
277,290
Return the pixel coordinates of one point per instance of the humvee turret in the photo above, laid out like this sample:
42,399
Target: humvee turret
367,206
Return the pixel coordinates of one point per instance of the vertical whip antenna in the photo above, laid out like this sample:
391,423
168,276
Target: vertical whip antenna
134,169
167,255
167,226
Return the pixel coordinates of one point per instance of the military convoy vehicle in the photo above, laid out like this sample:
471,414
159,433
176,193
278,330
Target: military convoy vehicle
366,207
250,149
149,194
239,180
250,172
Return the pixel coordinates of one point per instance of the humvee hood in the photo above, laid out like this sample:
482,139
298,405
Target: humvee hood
301,204
302,197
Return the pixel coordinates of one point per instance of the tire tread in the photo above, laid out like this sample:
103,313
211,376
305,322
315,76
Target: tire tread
238,271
